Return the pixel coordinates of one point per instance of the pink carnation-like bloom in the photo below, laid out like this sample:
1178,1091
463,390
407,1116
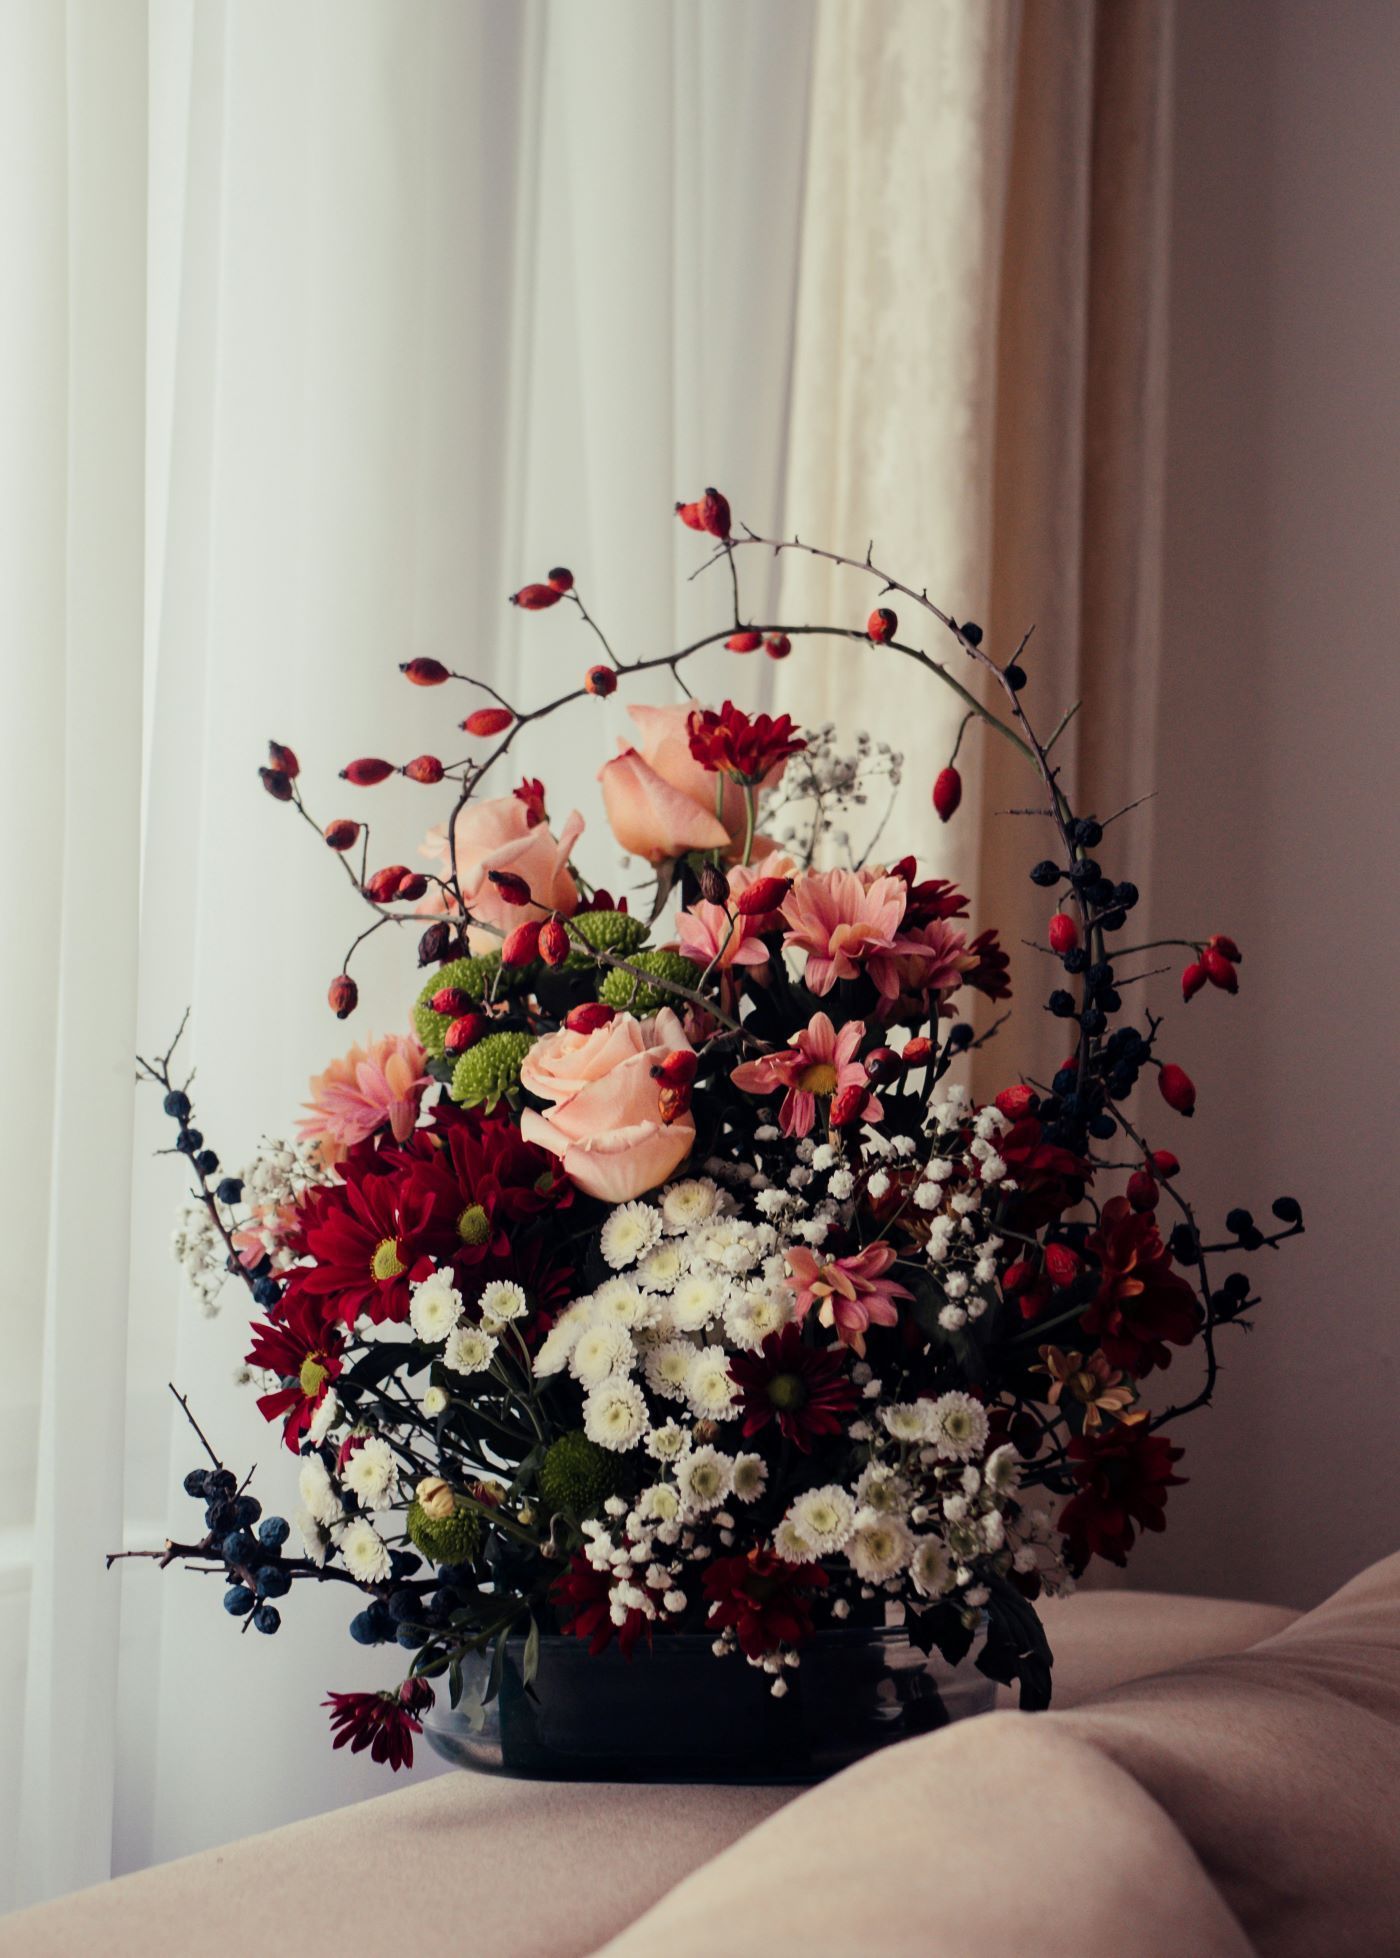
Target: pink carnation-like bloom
846,925
817,1061
850,1294
371,1086
933,958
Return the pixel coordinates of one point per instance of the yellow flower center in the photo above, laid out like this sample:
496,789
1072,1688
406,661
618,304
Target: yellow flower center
787,1392
818,1079
386,1262
473,1226
313,1376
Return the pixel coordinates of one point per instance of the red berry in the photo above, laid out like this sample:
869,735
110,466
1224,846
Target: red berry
916,1051
554,942
424,768
881,626
344,995
672,1102
1219,970
848,1106
714,514
1193,977
511,886
744,642
1178,1089
765,894
277,784
1061,1264
1227,948
1164,1162
777,645
452,1001
434,945
678,1068
464,1032
384,884
1064,933
412,886
284,759
600,680
1015,1102
561,578
522,945
488,720
947,792
690,515
425,672
342,834
589,1017
367,771
535,598
1142,1190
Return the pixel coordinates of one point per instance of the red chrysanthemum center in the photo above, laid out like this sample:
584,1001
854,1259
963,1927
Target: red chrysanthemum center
314,1375
386,1262
818,1079
788,1392
474,1226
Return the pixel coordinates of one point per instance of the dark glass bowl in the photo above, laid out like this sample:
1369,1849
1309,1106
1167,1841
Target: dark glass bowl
676,1712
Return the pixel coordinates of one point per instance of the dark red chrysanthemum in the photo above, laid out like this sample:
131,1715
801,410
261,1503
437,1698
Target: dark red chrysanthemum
583,1598
931,901
803,1388
1123,1476
367,1238
766,1601
991,974
731,743
478,1177
305,1352
1141,1301
385,1723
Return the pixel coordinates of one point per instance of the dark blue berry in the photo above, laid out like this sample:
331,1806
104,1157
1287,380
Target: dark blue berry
195,1481
364,1628
1046,873
1110,1000
1182,1244
267,1618
403,1605
274,1531
1061,1003
1114,920
177,1103
1127,895
238,1600
1015,677
220,1482
246,1511
1066,1081
1093,1019
972,633
959,1037
1237,1285
266,1291
1288,1210
206,1162
274,1582
1100,893
1076,960
404,1563
230,1190
238,1547
1238,1221
1102,1127
1087,832
1086,871
410,1637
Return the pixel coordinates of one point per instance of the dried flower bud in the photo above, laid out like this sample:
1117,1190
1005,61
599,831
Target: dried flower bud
1015,1103
285,759
412,886
343,995
1064,933
714,885
384,883
1164,1162
594,1013
426,769
425,672
488,720
464,1032
916,1051
600,680
451,1000
342,834
1193,977
672,1102
366,772
764,894
744,642
947,793
848,1106
1219,970
511,885
277,784
436,943
1178,1089
777,645
1142,1190
714,514
535,598
561,578
554,941
435,1498
521,946
678,1068
881,626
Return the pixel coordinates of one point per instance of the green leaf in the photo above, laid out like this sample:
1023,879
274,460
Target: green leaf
531,1662
1016,1647
498,1666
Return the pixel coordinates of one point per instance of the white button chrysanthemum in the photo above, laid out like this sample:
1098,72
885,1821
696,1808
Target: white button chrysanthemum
620,1301
791,1545
501,1301
435,1308
324,1418
666,1443
751,1316
704,1478
615,1415
318,1495
365,1553
880,1489
601,1350
658,1504
957,1427
696,1301
824,1518
878,1550
750,1477
906,1420
370,1474
931,1568
315,1538
661,1267
628,1234
687,1204
558,1342
434,1402
1001,1471
469,1350
708,1384
668,1367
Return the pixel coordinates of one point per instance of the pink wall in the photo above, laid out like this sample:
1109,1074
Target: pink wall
1281,702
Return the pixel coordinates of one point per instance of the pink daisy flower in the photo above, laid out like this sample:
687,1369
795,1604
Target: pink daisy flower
846,925
369,1088
817,1061
850,1294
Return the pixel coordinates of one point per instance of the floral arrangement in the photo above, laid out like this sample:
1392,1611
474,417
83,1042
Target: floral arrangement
660,1274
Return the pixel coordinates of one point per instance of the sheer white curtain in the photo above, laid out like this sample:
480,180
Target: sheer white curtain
374,311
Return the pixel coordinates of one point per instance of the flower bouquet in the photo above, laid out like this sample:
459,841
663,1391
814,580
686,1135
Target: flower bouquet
661,1286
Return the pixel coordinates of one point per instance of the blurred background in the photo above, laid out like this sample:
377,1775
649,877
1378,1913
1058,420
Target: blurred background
326,326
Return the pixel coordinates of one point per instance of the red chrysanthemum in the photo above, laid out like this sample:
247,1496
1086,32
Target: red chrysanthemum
991,974
803,1388
1123,1476
367,1238
583,1598
385,1723
766,1601
304,1351
479,1176
1141,1301
731,743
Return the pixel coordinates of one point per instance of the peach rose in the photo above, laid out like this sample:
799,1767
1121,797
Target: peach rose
501,834
605,1125
661,801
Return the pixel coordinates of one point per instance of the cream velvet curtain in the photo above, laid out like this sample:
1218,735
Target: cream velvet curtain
978,388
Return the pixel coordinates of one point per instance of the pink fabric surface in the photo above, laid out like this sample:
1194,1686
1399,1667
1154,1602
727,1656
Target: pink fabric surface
507,1869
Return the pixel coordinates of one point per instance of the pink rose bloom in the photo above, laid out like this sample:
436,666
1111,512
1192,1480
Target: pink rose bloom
816,1061
371,1088
605,1125
503,833
851,1294
846,925
716,934
661,801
